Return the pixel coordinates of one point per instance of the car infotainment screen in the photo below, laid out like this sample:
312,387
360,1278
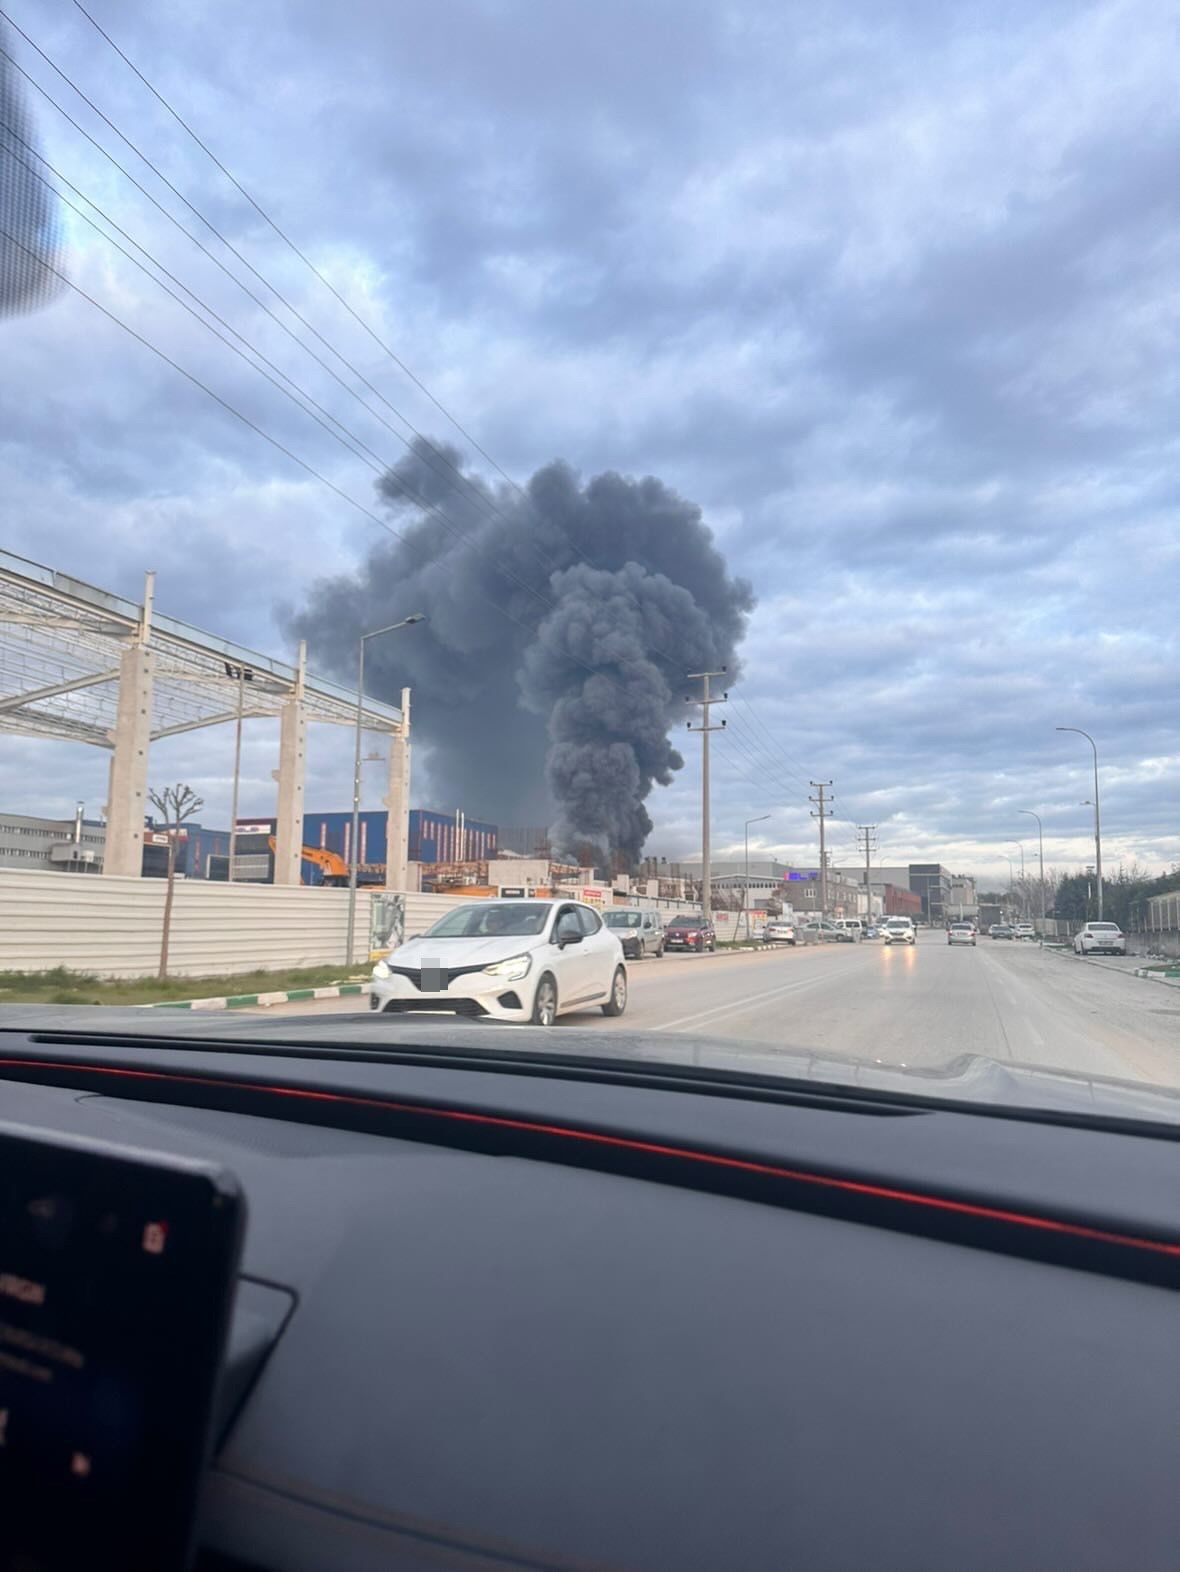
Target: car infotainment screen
117,1270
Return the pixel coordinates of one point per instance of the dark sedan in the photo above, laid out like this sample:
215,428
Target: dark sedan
690,933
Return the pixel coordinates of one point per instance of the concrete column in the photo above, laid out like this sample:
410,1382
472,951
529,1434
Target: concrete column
290,773
397,800
127,794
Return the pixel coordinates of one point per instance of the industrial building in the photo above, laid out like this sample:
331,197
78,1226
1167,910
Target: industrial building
29,841
78,845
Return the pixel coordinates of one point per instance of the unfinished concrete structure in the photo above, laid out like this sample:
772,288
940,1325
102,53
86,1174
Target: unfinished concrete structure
80,664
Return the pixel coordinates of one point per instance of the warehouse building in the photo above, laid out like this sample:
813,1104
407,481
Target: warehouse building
78,845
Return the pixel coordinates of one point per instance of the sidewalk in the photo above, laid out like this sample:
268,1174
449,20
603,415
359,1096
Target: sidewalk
1128,965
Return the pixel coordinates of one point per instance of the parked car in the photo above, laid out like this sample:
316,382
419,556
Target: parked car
640,933
1025,930
523,961
822,930
900,930
872,930
852,926
690,933
1001,930
1100,938
961,933
780,930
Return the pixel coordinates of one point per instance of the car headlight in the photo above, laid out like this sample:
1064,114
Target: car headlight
381,969
515,967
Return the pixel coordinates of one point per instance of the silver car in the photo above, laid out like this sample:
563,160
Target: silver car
779,930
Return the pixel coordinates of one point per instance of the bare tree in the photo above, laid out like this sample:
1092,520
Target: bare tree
174,804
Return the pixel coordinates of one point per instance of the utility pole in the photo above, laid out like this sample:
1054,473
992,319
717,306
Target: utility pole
866,833
822,811
705,728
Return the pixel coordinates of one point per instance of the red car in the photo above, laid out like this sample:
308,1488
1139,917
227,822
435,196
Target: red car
690,933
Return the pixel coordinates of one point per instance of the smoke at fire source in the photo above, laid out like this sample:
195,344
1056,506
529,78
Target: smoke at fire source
558,707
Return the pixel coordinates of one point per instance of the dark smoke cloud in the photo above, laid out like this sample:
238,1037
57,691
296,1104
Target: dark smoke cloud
30,234
559,705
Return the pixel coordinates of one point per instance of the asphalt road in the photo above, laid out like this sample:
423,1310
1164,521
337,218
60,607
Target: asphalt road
919,1006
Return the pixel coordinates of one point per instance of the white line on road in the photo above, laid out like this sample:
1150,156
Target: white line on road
735,1006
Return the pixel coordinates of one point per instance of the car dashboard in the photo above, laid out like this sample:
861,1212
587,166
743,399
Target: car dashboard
497,1311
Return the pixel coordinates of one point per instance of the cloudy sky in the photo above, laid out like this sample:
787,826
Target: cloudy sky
890,290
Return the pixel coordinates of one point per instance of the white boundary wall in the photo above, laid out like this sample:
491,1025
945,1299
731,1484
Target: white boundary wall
111,926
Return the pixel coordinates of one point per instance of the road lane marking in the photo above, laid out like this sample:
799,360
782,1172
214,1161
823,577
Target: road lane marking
739,1006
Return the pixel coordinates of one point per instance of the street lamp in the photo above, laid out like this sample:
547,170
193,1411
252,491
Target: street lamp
354,843
1097,819
746,878
1041,849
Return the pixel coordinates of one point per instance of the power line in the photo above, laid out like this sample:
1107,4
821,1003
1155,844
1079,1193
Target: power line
303,257
477,494
469,488
471,491
430,509
259,430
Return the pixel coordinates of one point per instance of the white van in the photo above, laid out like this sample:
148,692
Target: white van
852,926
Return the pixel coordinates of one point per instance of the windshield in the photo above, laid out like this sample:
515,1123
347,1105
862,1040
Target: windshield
490,919
703,470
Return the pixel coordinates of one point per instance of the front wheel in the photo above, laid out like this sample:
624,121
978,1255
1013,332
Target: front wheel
617,1002
545,1002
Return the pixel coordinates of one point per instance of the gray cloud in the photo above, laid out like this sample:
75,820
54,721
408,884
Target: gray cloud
890,291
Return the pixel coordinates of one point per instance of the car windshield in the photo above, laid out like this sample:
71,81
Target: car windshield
490,919
703,467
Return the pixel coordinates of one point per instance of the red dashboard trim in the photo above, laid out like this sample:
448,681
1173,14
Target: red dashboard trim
941,1203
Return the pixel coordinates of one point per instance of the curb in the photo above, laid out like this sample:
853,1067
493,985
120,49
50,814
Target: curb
237,1001
1170,978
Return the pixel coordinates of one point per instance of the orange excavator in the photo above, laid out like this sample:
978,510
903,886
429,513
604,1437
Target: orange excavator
334,867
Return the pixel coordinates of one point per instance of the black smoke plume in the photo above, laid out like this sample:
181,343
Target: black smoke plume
30,234
559,705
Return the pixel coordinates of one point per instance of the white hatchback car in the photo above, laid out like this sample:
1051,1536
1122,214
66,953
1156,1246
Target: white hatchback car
518,961
1100,938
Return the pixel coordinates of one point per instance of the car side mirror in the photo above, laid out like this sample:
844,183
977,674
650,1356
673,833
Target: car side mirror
569,938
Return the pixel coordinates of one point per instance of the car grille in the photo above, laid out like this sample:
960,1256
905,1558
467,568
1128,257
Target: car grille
445,975
470,1007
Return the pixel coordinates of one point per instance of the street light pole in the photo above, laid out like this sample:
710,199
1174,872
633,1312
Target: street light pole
746,877
233,812
353,846
1097,816
1041,852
